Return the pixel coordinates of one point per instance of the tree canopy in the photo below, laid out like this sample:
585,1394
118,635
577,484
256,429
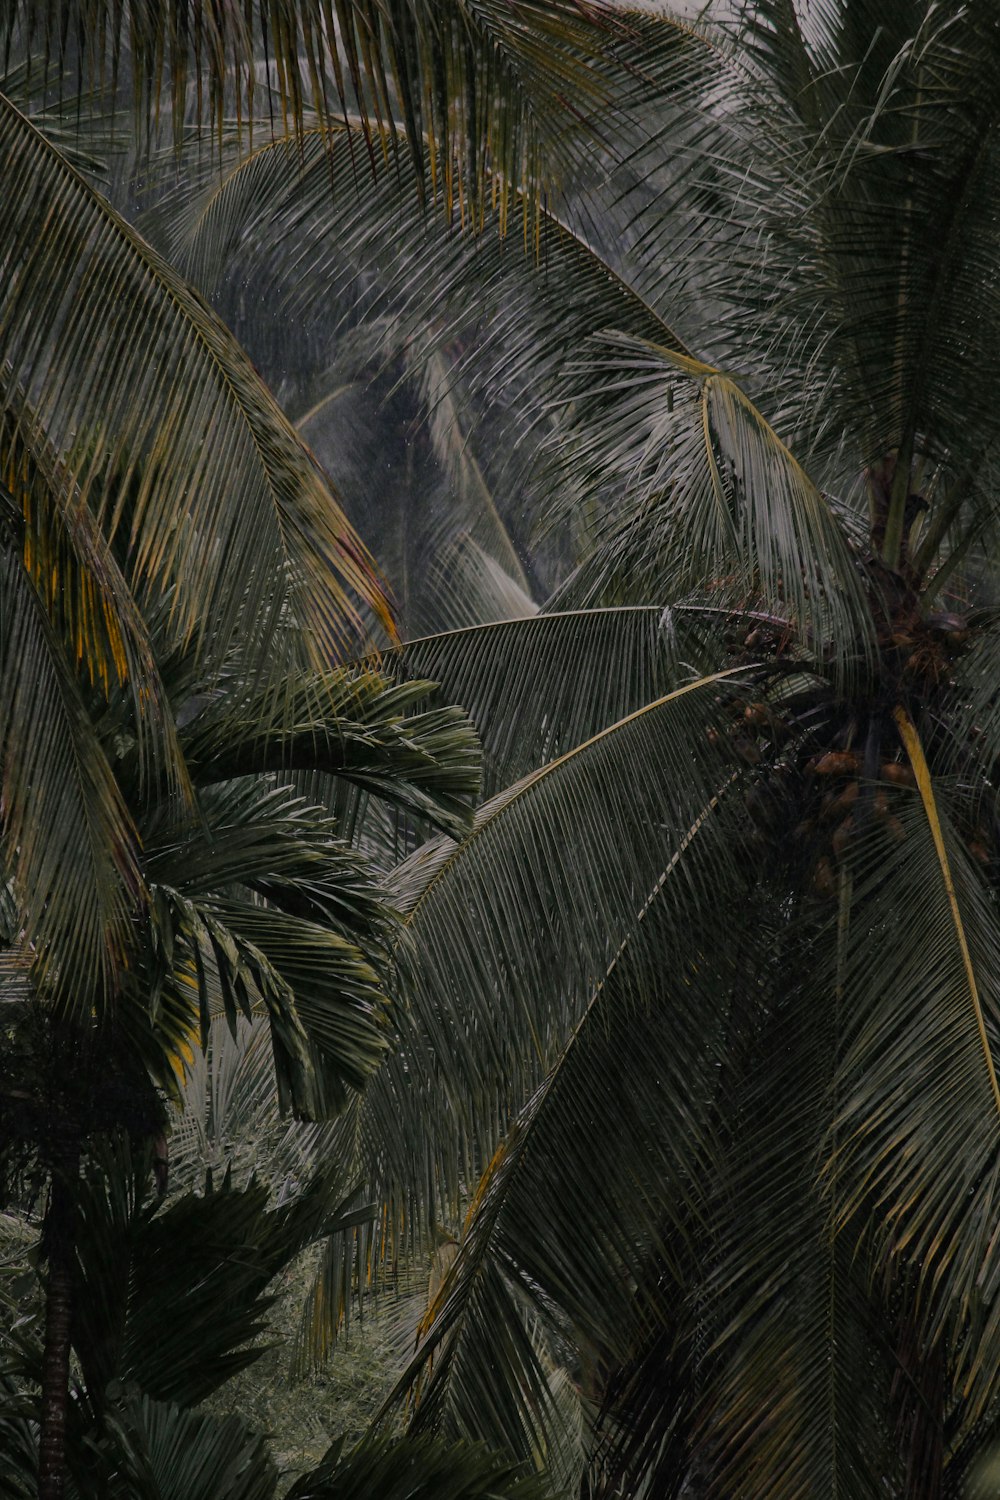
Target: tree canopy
655,357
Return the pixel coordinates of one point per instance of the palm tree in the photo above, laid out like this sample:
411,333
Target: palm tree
703,1013
171,548
706,1003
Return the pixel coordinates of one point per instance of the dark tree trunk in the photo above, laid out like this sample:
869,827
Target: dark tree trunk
59,1239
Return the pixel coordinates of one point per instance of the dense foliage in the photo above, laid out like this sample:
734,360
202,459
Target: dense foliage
656,360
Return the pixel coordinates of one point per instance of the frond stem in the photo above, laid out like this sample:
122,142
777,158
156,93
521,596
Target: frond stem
915,750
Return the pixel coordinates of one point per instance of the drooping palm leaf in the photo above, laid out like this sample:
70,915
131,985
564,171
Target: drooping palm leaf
145,445
537,687
523,967
85,596
939,1035
175,1300
70,842
310,233
473,93
568,1213
352,724
710,492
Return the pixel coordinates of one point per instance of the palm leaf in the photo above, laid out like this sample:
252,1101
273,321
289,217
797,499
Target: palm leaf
175,1300
410,1468
145,445
569,1213
711,492
787,1312
521,920
159,1451
474,94
352,724
70,842
85,596
521,683
525,304
922,1012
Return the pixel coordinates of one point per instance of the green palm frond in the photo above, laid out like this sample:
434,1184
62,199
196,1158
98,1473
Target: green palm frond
917,1160
569,1213
521,920
409,1468
174,1299
537,687
164,416
710,492
353,724
259,835
473,94
832,120
156,1450
326,1004
85,596
787,1310
522,300
70,842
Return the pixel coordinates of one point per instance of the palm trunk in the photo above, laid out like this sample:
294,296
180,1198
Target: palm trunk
59,1238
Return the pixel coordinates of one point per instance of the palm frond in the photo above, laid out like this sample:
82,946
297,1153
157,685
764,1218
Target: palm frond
409,1468
164,416
918,1086
521,920
156,1450
568,1214
86,598
175,1300
474,95
514,308
258,835
709,491
786,1315
70,843
352,724
537,687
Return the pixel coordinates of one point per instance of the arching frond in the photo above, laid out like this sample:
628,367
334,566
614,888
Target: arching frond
918,1131
521,920
353,724
710,492
85,596
296,216
473,94
537,687
164,416
569,1213
70,843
